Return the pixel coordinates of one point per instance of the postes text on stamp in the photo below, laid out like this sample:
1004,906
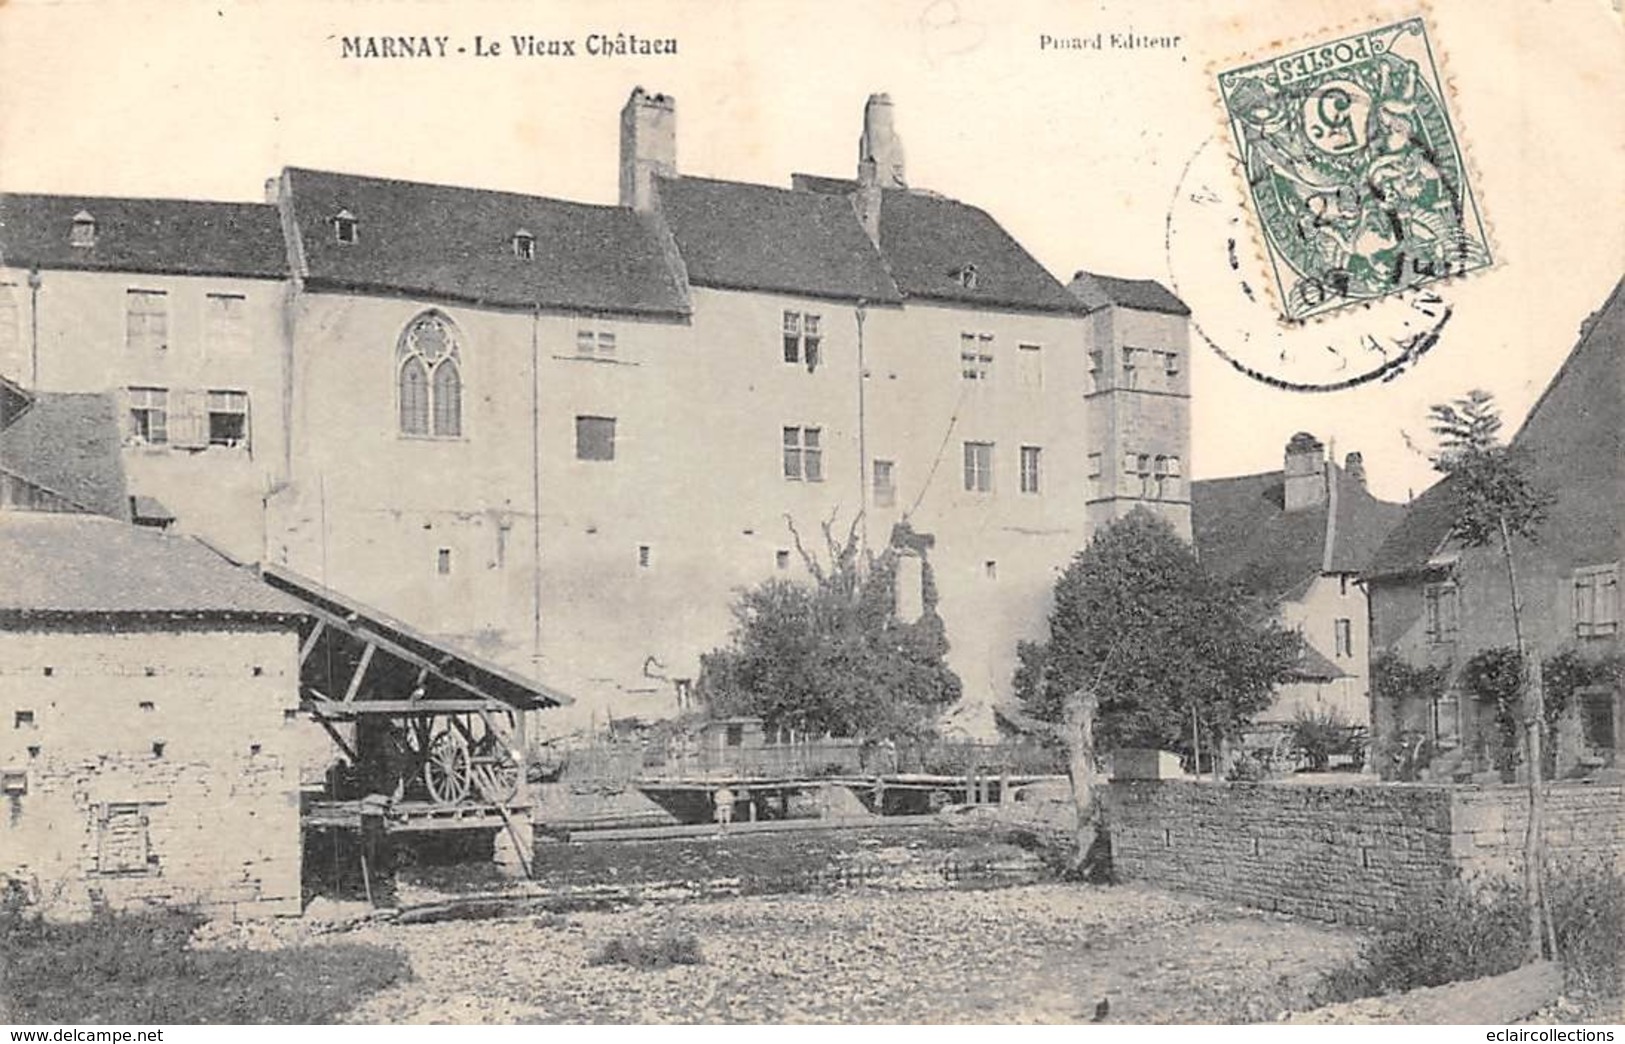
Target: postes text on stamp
1354,170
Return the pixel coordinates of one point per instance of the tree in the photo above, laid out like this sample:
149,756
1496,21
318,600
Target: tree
831,656
1493,502
1142,644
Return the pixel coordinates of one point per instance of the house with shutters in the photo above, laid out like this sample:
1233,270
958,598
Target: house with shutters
1297,540
564,434
1435,603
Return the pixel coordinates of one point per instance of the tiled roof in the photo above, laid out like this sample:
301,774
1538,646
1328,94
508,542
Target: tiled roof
1144,295
738,236
457,243
1418,535
162,236
57,563
1243,532
929,240
68,444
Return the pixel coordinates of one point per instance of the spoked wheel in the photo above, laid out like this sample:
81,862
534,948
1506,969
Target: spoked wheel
494,769
448,770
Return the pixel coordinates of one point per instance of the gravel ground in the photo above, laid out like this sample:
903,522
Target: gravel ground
1038,953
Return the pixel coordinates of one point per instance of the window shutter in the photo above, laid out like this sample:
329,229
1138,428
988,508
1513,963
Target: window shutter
188,424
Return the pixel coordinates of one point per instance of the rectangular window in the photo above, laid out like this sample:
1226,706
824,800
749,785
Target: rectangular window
1447,719
645,556
1170,363
1030,358
1094,465
1597,718
976,356
1343,636
123,841
228,418
1031,458
804,454
595,438
803,338
146,320
781,559
225,323
442,561
595,344
979,467
885,483
23,719
1439,602
1131,462
1097,362
1129,367
1596,601
149,416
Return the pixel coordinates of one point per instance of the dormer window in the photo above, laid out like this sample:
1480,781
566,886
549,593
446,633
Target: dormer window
84,230
967,277
345,227
524,245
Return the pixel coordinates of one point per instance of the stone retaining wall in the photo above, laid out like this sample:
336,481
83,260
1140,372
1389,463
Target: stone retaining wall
1351,854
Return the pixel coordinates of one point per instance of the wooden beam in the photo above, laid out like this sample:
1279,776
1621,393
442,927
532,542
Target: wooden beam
310,643
339,740
403,708
360,672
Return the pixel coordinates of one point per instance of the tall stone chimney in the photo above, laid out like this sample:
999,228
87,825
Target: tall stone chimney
648,146
1354,465
880,144
866,200
1305,472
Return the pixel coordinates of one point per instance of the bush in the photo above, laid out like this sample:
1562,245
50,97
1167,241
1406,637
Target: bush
663,951
1321,734
1588,914
1469,932
139,968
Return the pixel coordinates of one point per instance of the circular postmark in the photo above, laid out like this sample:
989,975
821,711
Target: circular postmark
1218,268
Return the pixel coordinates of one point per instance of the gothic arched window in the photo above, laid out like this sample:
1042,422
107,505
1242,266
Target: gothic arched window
429,379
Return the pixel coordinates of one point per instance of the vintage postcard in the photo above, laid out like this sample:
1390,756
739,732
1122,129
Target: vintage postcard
920,512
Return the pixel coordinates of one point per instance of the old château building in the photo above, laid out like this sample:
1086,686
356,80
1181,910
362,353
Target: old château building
566,434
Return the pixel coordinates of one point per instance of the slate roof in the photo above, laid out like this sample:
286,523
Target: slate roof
457,243
86,564
1243,532
160,236
1144,295
1418,536
738,236
927,240
68,444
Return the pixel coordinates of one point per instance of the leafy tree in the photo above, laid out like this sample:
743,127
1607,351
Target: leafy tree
1494,501
1142,642
831,656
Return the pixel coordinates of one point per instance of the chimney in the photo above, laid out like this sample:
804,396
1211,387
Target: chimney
880,144
273,190
1354,464
1305,472
648,146
866,200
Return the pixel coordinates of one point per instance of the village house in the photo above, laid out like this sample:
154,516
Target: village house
1297,540
1435,603
564,435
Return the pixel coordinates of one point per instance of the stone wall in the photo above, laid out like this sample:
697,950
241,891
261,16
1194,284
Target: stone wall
1350,854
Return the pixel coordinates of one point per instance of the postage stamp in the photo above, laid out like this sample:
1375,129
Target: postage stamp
1354,169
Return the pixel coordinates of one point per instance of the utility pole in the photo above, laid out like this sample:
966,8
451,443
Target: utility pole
861,312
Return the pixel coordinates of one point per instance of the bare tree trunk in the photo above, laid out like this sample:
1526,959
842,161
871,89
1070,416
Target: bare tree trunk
1078,734
1532,696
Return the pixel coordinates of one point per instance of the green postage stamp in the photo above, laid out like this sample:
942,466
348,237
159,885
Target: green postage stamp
1354,169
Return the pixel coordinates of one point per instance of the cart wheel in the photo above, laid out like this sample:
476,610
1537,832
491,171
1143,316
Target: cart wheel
447,771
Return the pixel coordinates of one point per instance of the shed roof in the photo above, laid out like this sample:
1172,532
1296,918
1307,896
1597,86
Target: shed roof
160,236
59,564
1143,295
66,444
457,243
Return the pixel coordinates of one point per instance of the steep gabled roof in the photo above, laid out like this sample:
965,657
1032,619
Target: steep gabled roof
1142,295
159,236
929,240
67,444
1244,533
1572,437
57,564
737,236
454,243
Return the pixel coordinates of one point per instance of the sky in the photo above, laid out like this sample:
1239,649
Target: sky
1091,158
